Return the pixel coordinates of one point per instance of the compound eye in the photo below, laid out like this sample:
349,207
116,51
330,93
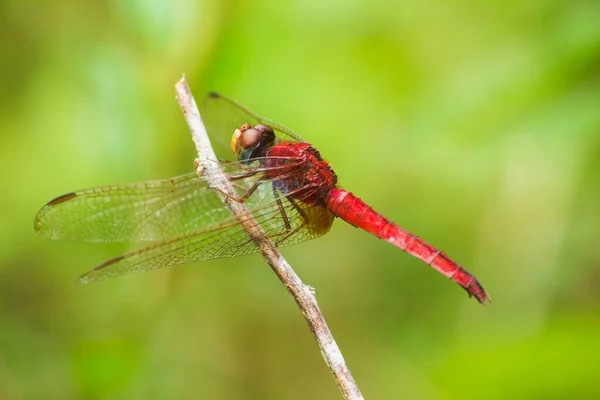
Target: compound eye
249,138
263,128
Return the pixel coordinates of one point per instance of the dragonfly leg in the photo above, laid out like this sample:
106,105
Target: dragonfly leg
286,221
283,236
246,195
252,189
289,232
247,192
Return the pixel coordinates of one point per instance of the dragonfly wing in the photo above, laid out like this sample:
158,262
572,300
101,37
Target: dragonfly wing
153,210
284,222
222,116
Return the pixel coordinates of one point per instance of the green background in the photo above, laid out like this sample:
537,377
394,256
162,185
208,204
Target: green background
475,125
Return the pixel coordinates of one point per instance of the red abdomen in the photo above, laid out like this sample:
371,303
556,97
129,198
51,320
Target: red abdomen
353,210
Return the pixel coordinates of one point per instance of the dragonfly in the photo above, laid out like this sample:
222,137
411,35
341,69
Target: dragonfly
289,189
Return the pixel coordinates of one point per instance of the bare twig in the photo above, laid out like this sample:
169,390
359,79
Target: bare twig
303,294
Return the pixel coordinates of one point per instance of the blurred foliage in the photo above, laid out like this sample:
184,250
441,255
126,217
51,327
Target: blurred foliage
475,125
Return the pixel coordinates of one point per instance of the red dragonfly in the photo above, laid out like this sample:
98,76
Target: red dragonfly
287,186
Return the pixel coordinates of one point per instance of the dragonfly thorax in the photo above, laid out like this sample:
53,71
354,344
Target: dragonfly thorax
297,169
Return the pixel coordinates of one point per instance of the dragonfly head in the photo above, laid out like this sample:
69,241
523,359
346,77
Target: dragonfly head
252,141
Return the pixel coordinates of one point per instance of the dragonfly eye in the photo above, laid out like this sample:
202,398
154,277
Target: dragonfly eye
248,142
262,128
243,138
249,138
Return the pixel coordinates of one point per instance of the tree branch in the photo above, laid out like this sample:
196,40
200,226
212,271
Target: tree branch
209,169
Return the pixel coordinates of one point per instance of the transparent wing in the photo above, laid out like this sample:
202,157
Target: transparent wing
222,116
136,211
153,210
284,221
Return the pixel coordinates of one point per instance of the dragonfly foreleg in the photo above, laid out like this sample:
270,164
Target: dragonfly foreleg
248,174
247,193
